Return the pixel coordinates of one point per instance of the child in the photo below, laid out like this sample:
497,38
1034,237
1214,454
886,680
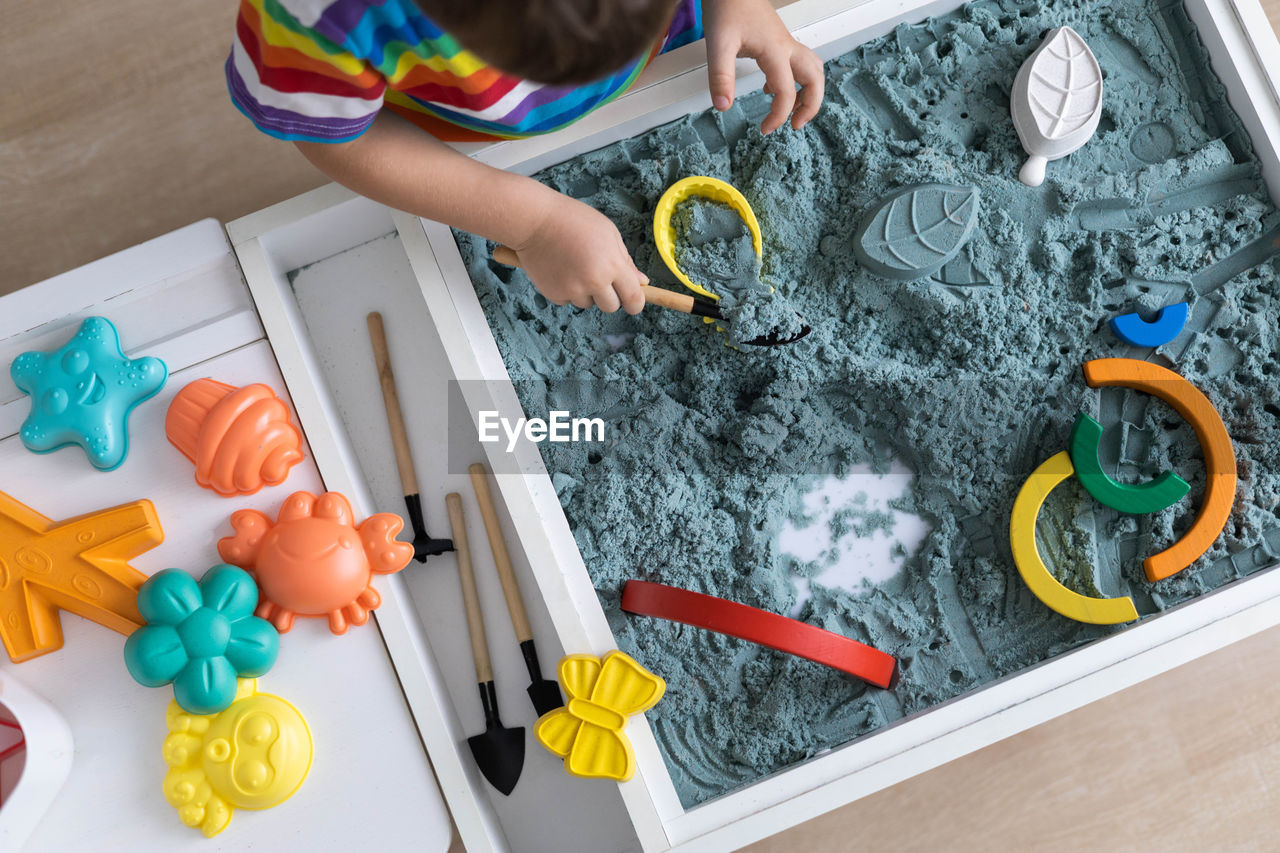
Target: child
347,80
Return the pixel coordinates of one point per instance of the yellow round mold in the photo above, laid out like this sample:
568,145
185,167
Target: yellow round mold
257,752
700,186
253,755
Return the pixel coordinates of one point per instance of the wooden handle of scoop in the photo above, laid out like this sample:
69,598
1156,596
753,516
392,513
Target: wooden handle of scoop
470,598
681,302
391,399
501,558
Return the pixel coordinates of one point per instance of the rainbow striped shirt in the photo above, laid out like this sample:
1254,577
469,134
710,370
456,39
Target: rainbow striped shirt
320,70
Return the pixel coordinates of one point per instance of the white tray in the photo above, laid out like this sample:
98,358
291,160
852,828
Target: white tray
181,297
457,343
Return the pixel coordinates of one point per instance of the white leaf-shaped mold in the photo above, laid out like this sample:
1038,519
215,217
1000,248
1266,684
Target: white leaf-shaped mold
1056,101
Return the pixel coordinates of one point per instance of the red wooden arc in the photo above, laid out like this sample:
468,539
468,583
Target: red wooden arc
760,626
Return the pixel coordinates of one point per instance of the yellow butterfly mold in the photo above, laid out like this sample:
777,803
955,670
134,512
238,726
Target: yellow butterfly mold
253,755
588,732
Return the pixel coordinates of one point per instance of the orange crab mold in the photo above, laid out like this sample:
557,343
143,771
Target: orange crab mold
314,560
240,439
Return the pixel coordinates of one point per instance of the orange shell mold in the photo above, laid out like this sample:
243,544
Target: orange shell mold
240,439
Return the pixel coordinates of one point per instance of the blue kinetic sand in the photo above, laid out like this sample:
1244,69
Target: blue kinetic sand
83,393
970,377
1137,332
714,249
915,231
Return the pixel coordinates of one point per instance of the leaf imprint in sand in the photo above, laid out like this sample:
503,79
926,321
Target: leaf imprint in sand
915,231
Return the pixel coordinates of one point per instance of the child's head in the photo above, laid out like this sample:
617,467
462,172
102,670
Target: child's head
553,41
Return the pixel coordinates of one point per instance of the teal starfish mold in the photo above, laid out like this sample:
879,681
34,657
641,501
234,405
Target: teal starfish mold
200,637
83,393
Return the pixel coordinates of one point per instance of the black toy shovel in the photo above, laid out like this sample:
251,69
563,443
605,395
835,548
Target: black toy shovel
499,751
544,692
423,545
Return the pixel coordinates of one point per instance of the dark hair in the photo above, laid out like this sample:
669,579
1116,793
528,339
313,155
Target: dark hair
553,41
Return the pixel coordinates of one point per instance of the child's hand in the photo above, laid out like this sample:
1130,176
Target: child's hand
576,255
752,28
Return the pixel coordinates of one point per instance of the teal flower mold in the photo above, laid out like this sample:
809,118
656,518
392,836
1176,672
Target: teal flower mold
200,637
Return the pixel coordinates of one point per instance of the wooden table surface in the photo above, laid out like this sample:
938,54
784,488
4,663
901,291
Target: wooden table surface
115,127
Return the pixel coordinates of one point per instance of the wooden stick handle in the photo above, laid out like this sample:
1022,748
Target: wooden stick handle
506,256
391,399
501,558
682,302
470,598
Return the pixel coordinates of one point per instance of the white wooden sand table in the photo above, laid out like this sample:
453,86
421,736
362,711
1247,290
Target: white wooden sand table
314,266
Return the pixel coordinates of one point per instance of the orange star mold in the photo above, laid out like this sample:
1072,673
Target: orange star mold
314,560
80,565
240,439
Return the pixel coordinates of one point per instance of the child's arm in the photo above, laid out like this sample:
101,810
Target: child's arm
572,252
752,28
